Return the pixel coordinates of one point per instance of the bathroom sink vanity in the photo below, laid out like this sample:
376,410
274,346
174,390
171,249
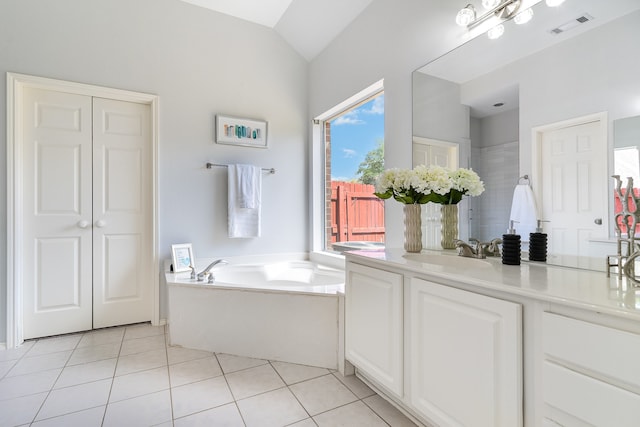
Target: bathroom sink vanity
456,342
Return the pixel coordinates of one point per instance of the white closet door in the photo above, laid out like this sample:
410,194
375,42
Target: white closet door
57,212
122,206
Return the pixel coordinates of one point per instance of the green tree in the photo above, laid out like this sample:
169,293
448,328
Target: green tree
372,165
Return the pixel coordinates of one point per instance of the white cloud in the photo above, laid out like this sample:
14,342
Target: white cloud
350,118
377,107
349,153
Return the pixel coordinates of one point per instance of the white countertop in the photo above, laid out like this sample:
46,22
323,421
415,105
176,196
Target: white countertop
585,289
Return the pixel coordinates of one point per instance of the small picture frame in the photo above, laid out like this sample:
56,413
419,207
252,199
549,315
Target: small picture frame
239,131
182,257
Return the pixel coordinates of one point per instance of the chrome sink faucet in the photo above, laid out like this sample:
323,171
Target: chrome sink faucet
207,271
481,249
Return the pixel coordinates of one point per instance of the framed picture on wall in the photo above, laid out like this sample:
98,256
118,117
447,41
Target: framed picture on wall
239,131
182,257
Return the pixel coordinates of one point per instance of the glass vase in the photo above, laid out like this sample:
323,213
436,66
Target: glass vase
449,222
412,228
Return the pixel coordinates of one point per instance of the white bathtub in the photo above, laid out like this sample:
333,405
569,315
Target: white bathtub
270,309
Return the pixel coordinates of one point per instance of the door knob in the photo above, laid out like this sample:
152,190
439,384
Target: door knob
101,224
83,224
598,221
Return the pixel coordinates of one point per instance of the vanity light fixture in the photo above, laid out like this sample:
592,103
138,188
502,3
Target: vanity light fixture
499,11
466,15
503,9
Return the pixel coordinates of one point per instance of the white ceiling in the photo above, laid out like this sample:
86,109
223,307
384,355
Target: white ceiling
307,25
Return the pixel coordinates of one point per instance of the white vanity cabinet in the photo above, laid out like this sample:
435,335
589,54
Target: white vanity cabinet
591,373
465,356
374,324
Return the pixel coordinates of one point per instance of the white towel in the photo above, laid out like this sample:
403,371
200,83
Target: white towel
244,200
524,211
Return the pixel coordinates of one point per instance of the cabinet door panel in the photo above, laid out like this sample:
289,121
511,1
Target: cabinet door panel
373,317
465,357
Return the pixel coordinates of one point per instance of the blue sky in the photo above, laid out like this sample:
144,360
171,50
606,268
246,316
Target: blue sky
353,135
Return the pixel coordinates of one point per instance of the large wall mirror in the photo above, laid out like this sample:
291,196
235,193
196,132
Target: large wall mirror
542,101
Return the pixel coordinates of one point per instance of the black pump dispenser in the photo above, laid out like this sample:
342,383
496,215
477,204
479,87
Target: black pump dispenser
511,246
538,244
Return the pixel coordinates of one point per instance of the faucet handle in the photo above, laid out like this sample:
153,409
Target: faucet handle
193,271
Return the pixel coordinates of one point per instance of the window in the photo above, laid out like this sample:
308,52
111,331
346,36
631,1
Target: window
352,143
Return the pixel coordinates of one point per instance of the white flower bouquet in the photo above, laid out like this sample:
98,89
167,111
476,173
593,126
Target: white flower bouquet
425,184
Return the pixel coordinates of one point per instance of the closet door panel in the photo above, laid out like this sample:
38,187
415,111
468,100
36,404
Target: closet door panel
122,207
56,200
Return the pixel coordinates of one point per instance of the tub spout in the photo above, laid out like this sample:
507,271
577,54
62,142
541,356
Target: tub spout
207,271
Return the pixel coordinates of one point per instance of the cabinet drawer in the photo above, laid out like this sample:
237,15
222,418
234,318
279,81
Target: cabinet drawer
598,349
590,400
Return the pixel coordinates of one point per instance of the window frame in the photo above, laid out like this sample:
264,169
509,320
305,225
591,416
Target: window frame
317,171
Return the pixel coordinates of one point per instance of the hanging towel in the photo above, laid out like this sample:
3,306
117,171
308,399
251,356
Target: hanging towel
524,211
244,200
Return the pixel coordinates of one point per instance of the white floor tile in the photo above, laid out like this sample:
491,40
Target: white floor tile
44,362
102,336
357,387
94,353
355,414
142,331
292,373
194,370
139,383
16,353
87,418
252,381
181,354
322,394
203,386
21,410
273,409
388,412
148,410
24,385
86,373
6,366
195,397
140,345
141,361
75,398
54,345
231,363
304,423
222,416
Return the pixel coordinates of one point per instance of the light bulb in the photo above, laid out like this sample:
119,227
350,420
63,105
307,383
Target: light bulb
495,32
523,17
554,3
466,16
490,4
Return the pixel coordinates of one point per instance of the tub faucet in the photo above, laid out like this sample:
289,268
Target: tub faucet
207,271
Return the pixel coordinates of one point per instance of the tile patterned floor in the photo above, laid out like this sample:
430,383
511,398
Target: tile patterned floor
129,376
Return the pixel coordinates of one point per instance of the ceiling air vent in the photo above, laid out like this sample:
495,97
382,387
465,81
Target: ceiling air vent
585,17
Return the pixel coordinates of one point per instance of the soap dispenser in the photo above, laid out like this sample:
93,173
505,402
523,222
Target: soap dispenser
511,246
538,244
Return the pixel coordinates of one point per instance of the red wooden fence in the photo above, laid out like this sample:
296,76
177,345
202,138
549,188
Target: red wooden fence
356,213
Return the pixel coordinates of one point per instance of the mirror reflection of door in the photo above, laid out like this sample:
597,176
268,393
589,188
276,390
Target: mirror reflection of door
433,152
573,190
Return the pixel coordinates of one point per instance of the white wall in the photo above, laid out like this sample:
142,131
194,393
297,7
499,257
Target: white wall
200,63
389,40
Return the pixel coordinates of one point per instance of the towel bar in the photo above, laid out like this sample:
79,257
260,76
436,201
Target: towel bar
210,165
